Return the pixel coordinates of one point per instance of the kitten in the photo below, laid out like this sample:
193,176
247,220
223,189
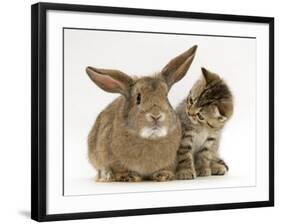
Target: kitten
203,115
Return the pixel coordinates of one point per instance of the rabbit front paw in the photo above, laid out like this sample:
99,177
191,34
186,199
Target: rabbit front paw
128,177
163,175
105,175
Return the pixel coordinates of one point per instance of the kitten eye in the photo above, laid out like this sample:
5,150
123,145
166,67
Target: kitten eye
138,98
191,100
200,117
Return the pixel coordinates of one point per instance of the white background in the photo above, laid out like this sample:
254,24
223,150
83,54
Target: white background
222,190
15,111
215,190
143,54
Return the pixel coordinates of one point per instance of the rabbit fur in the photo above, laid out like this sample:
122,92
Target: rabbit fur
137,136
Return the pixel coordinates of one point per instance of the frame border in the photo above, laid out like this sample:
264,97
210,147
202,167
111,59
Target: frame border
39,121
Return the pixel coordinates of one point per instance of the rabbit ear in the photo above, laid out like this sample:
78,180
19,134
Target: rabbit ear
177,67
113,81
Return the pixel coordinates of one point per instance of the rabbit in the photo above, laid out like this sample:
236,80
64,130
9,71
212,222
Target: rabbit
136,137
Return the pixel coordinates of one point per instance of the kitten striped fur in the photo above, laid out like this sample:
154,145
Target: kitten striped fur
203,115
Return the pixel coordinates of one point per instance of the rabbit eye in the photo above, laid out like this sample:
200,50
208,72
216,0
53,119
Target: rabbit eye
138,98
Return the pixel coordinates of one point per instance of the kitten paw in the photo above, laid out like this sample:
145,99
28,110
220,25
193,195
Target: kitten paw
186,174
164,175
218,169
203,172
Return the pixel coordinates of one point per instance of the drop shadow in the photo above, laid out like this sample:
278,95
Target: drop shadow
24,213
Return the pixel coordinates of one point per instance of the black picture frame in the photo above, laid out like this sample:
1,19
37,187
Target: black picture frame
39,121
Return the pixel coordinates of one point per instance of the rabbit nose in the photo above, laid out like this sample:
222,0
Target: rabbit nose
153,117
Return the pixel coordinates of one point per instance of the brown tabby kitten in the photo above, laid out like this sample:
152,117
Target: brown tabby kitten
203,115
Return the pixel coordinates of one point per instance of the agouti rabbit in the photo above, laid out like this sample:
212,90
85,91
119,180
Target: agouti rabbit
137,136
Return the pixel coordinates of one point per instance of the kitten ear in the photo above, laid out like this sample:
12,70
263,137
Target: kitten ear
224,110
209,76
222,118
176,69
219,115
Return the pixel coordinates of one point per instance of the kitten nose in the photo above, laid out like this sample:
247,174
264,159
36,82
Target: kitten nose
153,117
